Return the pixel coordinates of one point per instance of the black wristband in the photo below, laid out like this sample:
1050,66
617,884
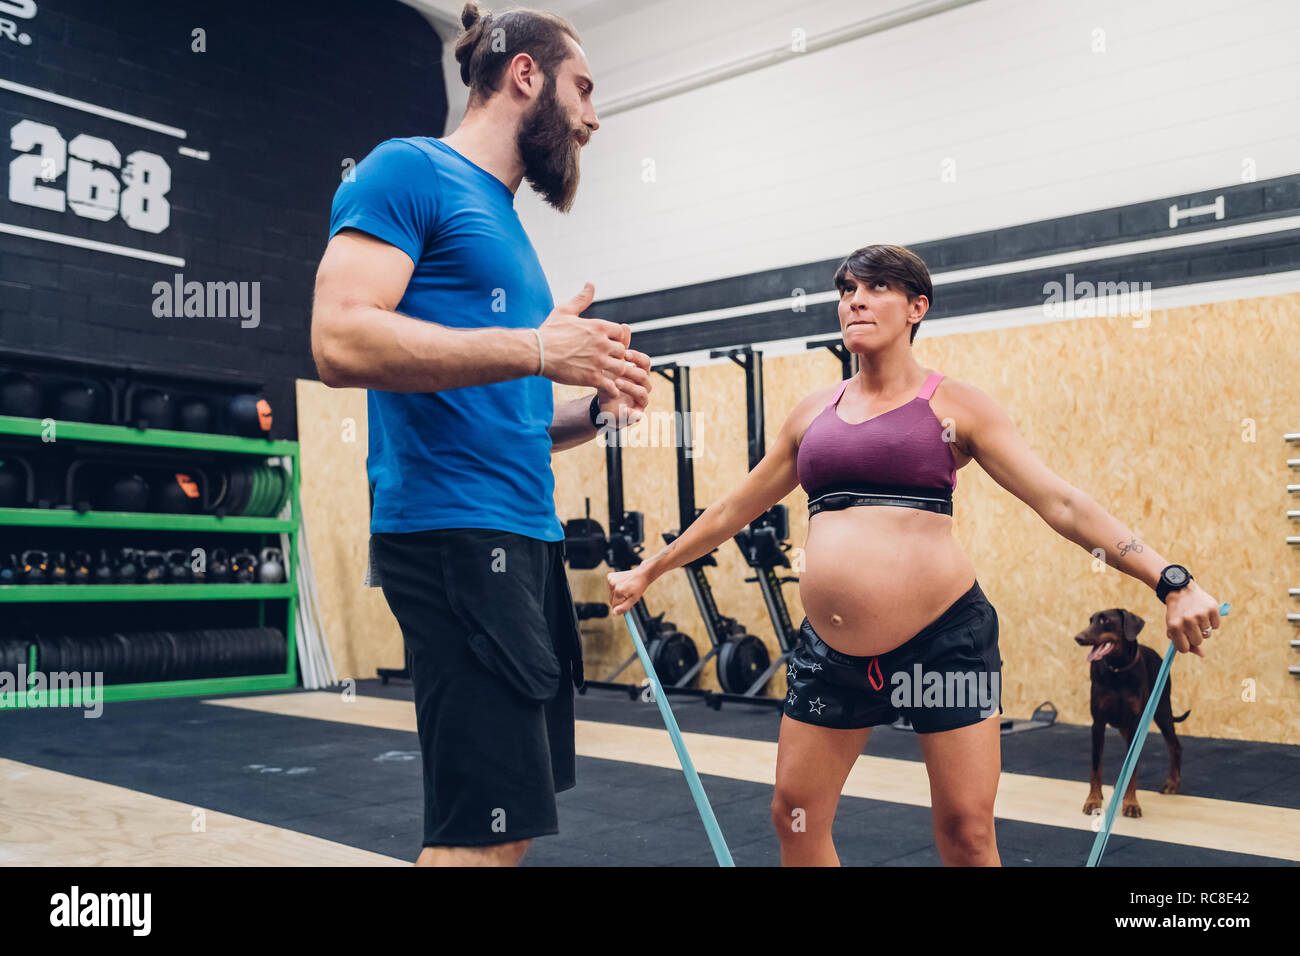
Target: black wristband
595,410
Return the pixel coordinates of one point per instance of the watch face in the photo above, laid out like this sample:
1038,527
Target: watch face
1175,575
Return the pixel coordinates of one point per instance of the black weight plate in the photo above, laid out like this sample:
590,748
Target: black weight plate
239,487
213,643
47,654
243,652
85,655
184,653
234,487
181,651
256,651
264,651
60,655
677,655
744,665
193,653
134,666
142,657
276,651
98,655
120,652
200,653
169,655
151,651
234,661
211,653
219,493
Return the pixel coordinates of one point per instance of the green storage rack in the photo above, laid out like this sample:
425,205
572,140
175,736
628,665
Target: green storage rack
62,518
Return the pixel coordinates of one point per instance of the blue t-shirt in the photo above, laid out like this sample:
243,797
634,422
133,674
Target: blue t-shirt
476,457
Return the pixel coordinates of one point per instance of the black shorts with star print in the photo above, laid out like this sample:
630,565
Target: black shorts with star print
947,676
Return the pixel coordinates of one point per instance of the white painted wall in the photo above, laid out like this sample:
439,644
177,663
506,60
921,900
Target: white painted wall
834,149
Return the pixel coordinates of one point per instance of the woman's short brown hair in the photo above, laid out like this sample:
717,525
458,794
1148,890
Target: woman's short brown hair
899,266
488,42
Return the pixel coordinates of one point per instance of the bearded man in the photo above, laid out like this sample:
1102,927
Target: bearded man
430,296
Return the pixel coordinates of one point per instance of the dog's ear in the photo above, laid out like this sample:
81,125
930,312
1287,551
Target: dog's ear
1132,624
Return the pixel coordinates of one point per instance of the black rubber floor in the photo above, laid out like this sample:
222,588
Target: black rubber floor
361,786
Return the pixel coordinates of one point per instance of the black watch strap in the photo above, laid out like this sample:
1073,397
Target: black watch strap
595,411
1163,588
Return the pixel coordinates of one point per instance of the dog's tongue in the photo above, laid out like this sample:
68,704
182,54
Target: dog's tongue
1100,650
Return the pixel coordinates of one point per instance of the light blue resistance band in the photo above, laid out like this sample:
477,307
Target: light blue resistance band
697,789
1130,761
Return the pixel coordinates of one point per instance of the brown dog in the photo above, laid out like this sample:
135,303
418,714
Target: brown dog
1123,673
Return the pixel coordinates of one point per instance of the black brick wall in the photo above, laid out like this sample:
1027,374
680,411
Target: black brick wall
284,93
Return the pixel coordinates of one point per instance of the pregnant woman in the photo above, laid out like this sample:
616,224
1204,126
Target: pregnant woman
896,621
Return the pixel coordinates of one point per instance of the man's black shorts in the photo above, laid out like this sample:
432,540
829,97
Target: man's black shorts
948,675
494,651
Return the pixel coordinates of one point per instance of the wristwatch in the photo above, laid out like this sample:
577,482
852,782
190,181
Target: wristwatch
1175,577
595,411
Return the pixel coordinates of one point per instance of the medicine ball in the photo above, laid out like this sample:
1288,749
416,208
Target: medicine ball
195,416
178,495
154,409
79,402
126,493
250,415
19,396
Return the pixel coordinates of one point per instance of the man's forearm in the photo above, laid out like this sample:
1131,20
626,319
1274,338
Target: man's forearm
1094,529
368,347
571,425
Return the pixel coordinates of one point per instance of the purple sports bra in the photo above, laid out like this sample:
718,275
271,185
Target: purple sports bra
899,452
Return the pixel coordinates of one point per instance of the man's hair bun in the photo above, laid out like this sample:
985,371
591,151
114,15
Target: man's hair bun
473,23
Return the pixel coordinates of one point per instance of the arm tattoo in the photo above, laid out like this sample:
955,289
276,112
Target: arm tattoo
1132,545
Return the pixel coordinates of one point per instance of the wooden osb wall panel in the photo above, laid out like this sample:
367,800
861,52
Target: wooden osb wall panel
362,633
1152,422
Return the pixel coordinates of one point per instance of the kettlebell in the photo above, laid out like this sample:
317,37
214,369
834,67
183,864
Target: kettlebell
19,395
154,566
154,409
178,494
178,566
59,573
243,567
127,493
128,566
79,569
103,572
271,569
8,570
196,416
219,566
250,415
35,565
79,402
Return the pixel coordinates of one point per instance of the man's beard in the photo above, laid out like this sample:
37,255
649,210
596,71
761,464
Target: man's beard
549,147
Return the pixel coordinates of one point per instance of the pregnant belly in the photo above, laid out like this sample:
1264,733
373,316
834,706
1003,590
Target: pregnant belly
875,575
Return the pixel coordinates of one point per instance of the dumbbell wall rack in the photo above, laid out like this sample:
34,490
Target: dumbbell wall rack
63,518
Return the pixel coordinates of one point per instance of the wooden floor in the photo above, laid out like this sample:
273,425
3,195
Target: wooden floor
1227,825
54,819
